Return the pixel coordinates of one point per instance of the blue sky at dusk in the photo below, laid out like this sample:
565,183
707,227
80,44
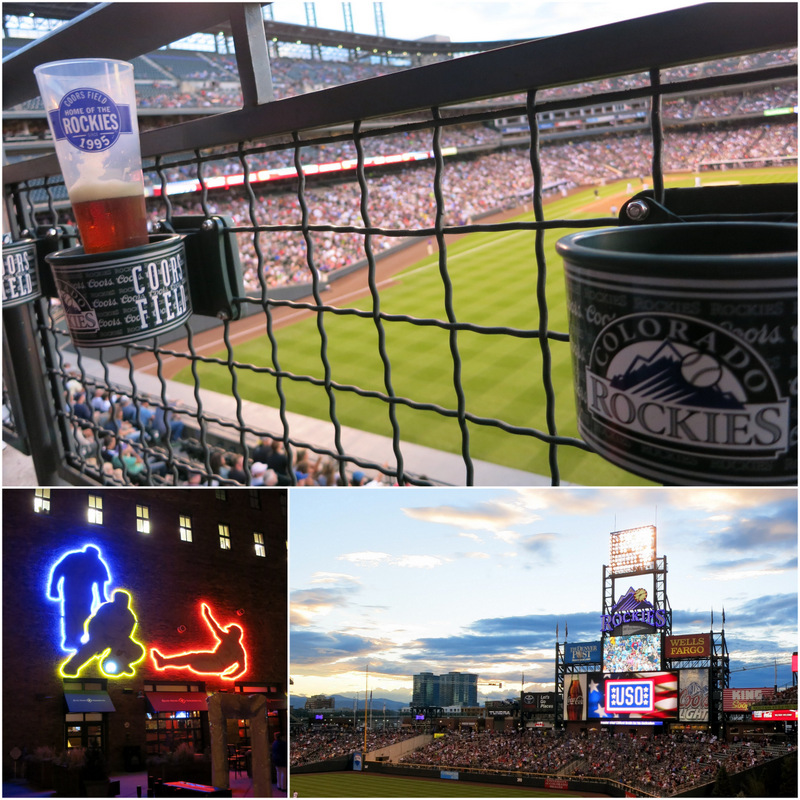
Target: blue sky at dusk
412,580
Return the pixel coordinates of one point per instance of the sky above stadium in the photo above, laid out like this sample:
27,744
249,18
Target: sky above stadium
439,580
470,21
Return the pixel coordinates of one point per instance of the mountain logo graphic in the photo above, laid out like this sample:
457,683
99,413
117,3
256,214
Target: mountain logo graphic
630,600
80,314
668,380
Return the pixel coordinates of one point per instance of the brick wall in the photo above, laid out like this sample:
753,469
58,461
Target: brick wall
167,579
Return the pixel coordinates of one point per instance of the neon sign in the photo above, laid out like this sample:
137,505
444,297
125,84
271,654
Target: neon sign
78,580
108,639
228,659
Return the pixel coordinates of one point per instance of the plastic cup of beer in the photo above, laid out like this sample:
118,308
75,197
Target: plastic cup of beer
91,108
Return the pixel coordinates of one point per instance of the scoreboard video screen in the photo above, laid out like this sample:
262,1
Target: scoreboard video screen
636,653
632,696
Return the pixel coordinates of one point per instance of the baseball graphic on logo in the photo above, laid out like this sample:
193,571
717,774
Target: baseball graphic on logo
700,369
640,595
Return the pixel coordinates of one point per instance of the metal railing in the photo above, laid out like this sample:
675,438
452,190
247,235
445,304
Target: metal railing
640,56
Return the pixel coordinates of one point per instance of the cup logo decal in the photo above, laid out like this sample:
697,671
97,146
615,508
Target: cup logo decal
138,293
685,383
20,279
80,315
90,120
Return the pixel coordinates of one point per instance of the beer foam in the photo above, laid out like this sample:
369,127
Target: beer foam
84,191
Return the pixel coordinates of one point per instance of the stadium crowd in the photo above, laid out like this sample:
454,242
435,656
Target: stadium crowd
309,747
472,187
663,765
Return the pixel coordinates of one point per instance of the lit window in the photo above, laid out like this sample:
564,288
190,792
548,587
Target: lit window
258,538
185,524
221,494
143,519
95,515
41,501
224,537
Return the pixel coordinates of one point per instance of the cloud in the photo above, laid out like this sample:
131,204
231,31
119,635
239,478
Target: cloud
497,517
336,590
338,578
308,604
739,569
714,500
373,559
366,558
778,609
326,649
775,531
538,544
541,628
418,562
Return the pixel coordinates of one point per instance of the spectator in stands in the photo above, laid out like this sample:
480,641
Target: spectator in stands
237,472
80,408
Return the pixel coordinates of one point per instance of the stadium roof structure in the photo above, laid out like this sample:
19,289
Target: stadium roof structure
47,10
288,32
384,45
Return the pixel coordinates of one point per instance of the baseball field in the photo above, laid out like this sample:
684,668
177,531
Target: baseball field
356,784
493,279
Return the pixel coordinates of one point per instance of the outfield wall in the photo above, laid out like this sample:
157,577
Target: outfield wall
340,764
598,786
778,778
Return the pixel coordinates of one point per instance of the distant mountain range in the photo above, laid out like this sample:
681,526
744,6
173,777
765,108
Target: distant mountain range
342,702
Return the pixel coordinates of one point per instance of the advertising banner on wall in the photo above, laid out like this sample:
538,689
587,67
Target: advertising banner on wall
575,696
694,646
632,696
778,715
546,701
693,698
539,701
742,699
583,653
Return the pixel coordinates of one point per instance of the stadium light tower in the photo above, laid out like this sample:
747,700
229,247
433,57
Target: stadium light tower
633,554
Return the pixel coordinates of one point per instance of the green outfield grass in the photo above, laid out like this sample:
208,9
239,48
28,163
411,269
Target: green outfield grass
494,283
355,784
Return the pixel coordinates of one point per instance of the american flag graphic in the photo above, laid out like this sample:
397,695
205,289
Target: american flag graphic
665,690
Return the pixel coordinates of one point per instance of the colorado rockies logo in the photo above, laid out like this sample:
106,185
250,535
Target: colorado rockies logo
684,383
90,120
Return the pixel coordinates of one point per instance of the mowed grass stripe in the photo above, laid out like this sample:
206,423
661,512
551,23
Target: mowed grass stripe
354,784
494,279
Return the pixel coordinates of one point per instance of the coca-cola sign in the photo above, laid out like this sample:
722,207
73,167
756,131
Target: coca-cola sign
693,696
